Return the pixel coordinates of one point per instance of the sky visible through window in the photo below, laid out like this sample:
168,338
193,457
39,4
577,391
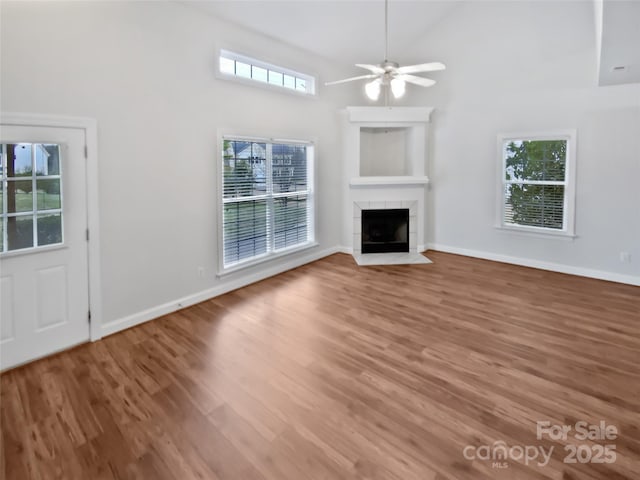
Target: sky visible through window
270,76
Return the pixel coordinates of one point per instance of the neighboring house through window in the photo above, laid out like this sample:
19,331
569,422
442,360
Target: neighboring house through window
267,199
537,186
30,196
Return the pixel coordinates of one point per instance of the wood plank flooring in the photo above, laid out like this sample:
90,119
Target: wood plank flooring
333,371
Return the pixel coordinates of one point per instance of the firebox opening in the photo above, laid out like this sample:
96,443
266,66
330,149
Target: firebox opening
385,231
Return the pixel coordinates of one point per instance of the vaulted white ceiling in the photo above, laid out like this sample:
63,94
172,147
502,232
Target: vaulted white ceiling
352,31
342,31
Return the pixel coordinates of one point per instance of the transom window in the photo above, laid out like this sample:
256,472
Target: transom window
267,199
266,73
537,185
31,193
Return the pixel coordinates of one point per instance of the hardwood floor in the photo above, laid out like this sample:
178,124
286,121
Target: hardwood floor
333,371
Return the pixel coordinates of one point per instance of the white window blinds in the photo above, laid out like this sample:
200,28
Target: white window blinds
536,186
267,198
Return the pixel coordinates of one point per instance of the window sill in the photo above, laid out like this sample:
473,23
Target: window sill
537,232
32,250
265,86
252,262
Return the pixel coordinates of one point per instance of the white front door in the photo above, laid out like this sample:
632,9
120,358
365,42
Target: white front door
44,291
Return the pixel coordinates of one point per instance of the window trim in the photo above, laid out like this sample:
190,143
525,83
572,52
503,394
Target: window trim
275,254
570,135
312,80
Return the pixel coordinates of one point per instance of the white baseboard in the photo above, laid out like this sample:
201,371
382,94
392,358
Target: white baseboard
528,262
225,287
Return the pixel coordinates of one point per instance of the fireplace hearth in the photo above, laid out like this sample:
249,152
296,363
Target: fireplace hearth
385,231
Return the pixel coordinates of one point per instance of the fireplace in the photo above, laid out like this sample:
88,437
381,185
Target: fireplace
385,230
385,157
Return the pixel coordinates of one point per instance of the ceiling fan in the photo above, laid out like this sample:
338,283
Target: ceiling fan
391,74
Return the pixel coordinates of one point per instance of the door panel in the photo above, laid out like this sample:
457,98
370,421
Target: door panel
44,266
51,291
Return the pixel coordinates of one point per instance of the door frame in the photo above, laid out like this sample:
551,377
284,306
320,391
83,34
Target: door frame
90,128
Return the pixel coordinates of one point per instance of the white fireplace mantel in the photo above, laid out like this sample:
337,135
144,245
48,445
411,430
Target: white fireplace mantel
389,114
388,181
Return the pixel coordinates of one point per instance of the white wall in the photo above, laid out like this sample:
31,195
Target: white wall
530,66
146,72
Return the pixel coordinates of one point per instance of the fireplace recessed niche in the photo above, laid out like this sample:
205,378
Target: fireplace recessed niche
384,151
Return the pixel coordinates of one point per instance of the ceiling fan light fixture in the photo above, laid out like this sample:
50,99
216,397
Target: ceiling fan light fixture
372,89
398,87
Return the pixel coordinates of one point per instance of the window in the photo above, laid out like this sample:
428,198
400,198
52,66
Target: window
538,182
267,198
244,67
30,196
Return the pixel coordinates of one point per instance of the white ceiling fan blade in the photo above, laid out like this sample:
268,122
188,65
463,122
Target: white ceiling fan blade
423,82
423,67
361,77
373,68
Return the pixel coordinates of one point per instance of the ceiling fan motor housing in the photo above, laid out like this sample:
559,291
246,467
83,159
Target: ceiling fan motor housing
389,66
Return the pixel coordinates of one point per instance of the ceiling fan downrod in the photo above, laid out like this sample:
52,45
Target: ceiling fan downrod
386,31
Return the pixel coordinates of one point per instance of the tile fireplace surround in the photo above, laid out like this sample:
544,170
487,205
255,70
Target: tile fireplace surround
384,205
405,187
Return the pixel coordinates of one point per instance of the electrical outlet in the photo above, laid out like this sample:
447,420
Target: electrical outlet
625,257
200,272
